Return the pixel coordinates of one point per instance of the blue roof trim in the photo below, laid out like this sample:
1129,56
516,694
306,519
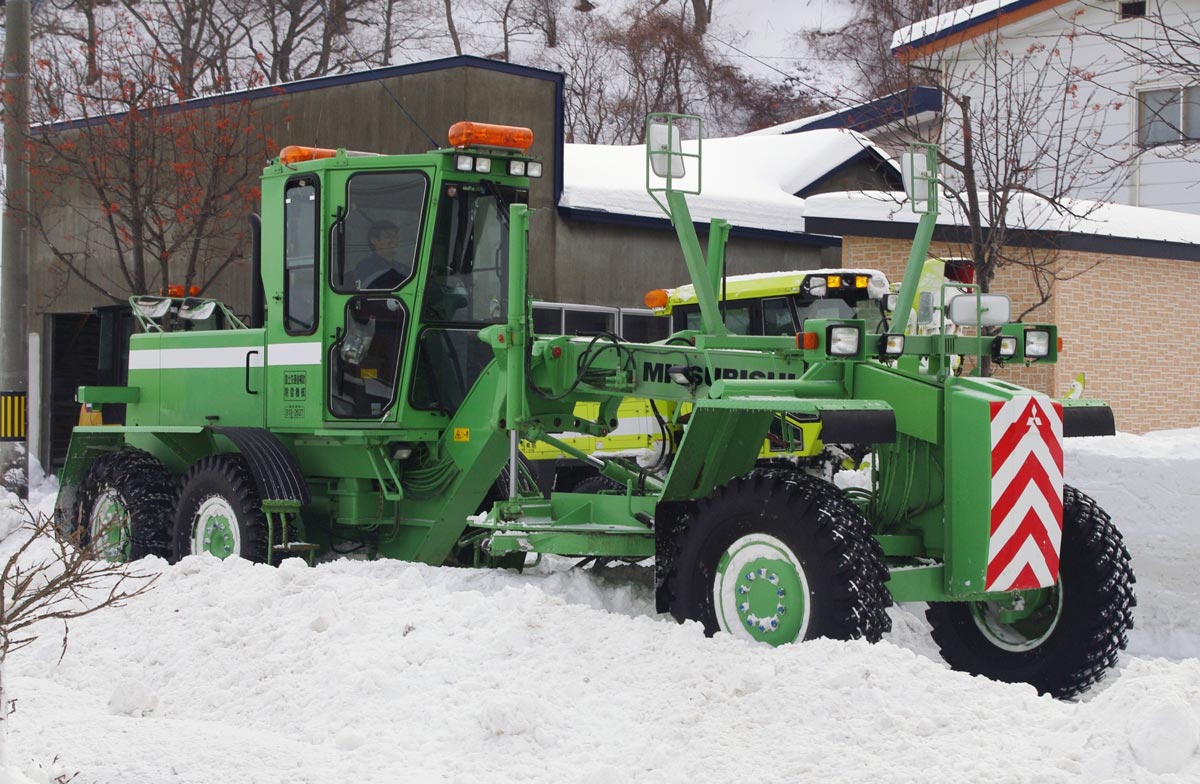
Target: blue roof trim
745,232
338,80
1013,5
879,112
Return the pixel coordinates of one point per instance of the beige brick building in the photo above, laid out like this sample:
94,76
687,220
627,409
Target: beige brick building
1127,307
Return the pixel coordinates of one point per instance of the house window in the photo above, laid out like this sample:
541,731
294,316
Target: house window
1169,115
1127,10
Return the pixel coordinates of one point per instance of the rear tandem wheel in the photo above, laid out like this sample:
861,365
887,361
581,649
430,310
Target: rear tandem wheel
123,511
220,511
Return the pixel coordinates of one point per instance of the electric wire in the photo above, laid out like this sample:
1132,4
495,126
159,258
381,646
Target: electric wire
350,40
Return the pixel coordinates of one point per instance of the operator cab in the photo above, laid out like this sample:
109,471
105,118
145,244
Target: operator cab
391,266
778,303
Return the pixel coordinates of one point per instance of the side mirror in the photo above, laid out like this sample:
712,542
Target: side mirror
665,143
993,310
912,166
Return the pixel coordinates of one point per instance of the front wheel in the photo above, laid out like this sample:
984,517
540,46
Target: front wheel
220,512
1061,640
780,557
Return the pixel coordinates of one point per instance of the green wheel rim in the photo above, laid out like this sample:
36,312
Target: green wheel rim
760,591
214,528
108,526
1022,622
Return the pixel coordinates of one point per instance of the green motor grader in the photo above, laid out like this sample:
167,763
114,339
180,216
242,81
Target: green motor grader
374,399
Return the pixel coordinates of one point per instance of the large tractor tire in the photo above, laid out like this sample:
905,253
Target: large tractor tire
1061,640
779,557
220,511
124,507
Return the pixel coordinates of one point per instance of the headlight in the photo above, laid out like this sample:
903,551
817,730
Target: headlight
1037,343
891,345
534,169
516,168
1005,347
483,165
464,162
843,341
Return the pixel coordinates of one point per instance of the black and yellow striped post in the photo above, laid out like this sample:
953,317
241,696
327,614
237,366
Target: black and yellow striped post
12,416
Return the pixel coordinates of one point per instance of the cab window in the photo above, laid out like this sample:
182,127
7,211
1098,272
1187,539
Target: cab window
376,241
777,317
738,318
299,257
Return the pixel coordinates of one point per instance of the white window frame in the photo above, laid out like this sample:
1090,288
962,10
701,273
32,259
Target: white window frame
1182,131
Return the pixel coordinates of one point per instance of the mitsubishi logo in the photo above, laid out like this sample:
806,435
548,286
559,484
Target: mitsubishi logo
1034,421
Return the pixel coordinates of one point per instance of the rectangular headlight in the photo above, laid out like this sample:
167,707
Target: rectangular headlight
534,169
516,168
1037,343
483,165
843,341
1005,346
891,345
464,162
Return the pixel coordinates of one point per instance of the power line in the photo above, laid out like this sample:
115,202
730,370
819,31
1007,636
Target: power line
363,58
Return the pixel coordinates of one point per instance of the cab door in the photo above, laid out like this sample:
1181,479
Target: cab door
291,281
369,296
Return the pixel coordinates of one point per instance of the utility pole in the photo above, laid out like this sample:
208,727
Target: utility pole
14,249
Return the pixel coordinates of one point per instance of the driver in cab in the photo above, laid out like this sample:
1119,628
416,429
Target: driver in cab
380,270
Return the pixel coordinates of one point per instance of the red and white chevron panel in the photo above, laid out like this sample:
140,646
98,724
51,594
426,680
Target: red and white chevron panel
1027,488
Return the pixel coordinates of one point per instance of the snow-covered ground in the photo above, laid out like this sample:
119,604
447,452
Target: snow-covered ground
395,672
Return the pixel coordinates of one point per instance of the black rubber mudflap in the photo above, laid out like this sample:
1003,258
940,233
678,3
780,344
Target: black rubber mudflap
869,426
276,472
1081,421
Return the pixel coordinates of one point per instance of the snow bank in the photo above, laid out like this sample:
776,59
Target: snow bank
1150,485
383,672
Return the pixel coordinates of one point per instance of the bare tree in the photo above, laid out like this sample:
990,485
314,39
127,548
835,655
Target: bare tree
1162,40
299,39
452,29
55,19
54,578
197,37
587,64
160,174
1022,140
861,48
544,16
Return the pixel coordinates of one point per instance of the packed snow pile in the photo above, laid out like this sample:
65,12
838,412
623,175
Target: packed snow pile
382,672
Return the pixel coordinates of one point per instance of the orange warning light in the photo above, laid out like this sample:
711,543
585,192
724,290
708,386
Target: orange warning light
297,154
656,298
472,134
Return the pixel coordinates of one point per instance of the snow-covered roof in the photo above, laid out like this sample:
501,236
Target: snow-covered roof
961,20
1028,212
749,181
